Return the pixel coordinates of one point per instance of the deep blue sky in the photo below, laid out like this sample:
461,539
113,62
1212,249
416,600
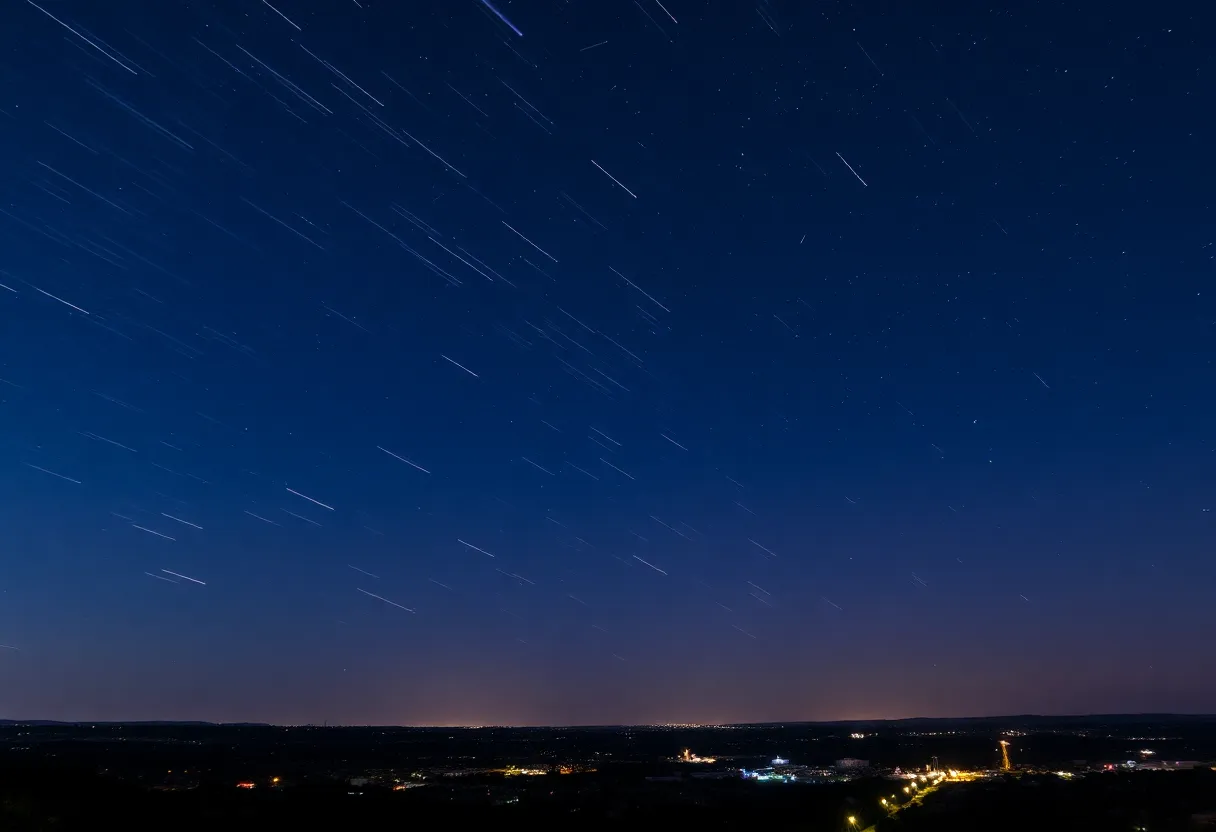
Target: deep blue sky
927,436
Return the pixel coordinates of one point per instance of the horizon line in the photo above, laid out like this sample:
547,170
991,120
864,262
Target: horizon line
484,726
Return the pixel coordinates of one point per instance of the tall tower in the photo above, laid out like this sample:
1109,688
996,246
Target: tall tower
933,764
1005,766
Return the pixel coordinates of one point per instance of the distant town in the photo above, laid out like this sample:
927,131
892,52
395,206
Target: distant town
853,777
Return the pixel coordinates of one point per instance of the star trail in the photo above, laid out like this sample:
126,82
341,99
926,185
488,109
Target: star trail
554,363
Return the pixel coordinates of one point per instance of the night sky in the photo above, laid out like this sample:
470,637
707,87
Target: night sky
436,362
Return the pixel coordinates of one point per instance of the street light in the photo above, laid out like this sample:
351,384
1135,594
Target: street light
852,821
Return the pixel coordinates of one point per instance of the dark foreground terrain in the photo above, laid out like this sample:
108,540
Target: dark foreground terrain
1112,773
1124,801
1115,802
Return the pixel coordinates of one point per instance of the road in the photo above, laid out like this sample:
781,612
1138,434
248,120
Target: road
916,799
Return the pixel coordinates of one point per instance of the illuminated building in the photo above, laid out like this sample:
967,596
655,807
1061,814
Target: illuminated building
782,772
512,771
767,775
686,756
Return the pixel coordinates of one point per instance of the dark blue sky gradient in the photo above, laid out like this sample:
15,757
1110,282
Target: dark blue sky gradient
949,412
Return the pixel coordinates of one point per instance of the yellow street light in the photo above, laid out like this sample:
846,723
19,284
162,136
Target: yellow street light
852,820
